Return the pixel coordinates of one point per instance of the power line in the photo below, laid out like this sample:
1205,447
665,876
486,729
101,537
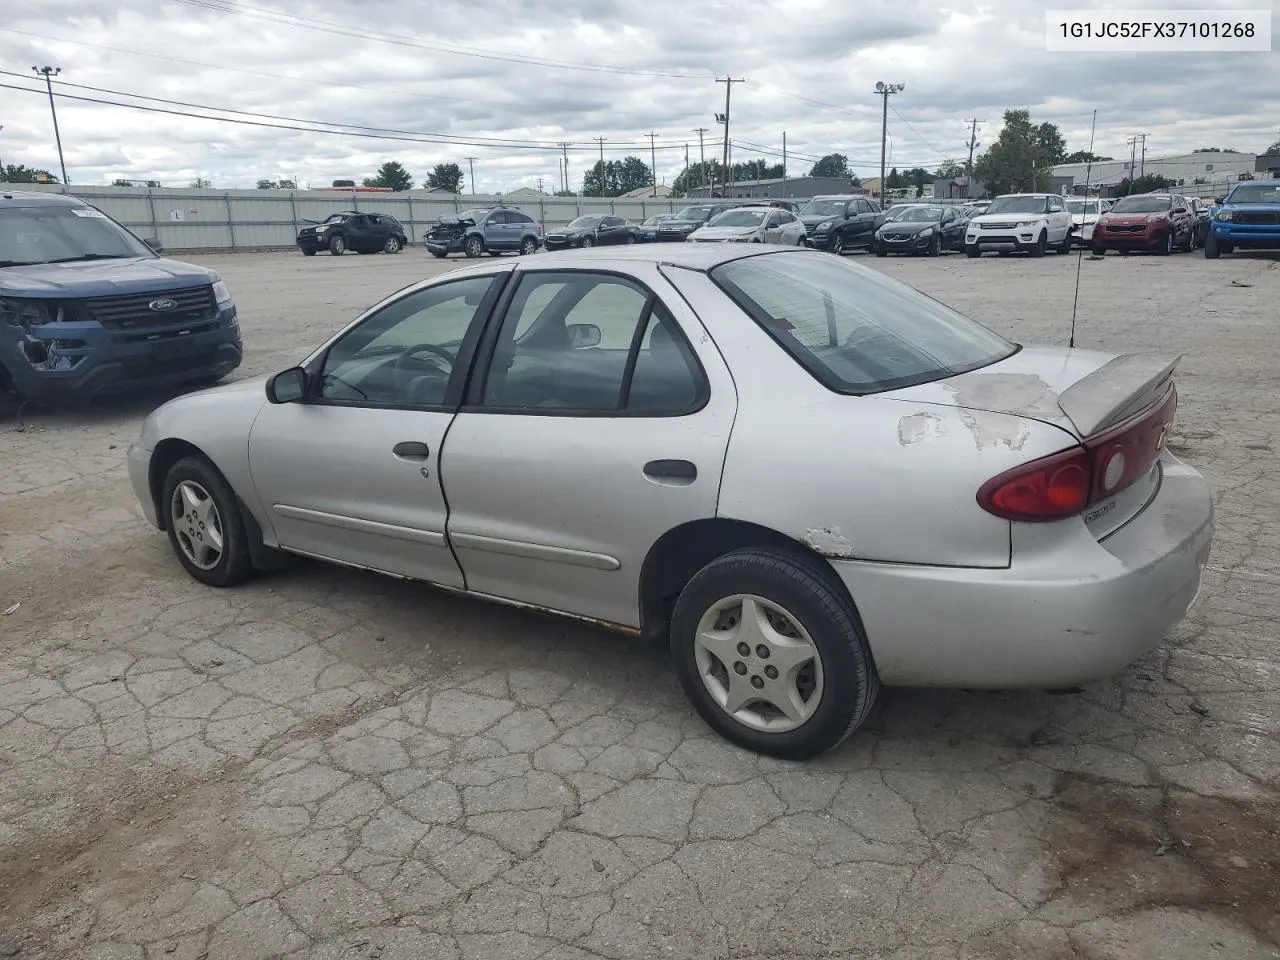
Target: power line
916,132
328,26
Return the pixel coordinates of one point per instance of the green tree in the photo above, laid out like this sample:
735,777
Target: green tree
916,177
699,174
756,170
266,184
832,165
1016,162
1083,156
1274,148
633,174
949,170
854,180
564,193
200,183
1144,184
1052,147
17,173
612,178
445,176
287,185
894,180
1217,149
391,174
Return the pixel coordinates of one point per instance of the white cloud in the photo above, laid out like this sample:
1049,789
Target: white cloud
957,62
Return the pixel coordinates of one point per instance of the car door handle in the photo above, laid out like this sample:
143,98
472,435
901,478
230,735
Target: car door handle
411,450
671,471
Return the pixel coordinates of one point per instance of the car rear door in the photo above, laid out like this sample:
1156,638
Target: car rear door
600,423
358,230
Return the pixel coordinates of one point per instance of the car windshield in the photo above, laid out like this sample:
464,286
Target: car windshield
823,208
1082,207
334,218
62,234
473,215
1255,193
915,214
654,221
1141,205
857,330
739,218
696,213
585,223
1017,205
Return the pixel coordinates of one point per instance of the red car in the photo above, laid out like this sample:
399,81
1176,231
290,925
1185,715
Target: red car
1159,222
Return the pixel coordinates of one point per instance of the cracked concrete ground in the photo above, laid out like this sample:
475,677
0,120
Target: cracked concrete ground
325,764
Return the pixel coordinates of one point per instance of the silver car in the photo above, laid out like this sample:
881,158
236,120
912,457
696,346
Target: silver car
808,478
752,224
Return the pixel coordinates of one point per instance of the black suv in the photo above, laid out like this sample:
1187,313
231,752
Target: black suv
488,230
361,232
841,223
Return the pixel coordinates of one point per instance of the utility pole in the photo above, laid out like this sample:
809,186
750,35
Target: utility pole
1133,150
653,160
599,140
1142,162
724,118
702,156
784,159
564,147
686,169
47,73
539,184
968,170
885,90
471,167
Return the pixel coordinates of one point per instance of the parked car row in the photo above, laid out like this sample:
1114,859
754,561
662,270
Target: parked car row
1153,222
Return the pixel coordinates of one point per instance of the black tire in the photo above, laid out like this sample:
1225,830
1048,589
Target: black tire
474,247
935,246
495,253
337,246
881,252
972,250
393,245
809,592
1190,243
528,247
631,238
1065,245
1166,245
1041,245
587,242
308,253
438,256
1099,251
234,565
1211,248
837,245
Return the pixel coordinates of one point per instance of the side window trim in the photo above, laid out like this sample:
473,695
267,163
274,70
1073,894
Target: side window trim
462,371
481,361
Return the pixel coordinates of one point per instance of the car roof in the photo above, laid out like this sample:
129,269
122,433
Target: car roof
693,256
32,198
838,196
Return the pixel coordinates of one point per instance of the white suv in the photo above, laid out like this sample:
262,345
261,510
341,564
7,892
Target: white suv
1030,222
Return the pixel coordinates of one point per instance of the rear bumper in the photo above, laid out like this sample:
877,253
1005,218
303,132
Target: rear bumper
1063,614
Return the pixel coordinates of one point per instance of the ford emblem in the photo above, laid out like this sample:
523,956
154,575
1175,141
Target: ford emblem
160,306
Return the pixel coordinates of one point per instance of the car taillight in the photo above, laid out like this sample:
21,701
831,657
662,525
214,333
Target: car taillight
1065,483
1051,488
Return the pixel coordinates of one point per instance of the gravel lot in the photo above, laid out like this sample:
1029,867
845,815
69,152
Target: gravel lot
328,764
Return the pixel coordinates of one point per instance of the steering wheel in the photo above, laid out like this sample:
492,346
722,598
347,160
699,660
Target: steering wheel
402,361
403,370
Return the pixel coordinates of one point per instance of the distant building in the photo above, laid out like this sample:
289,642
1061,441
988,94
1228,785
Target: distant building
1184,169
788,188
525,194
641,192
1268,165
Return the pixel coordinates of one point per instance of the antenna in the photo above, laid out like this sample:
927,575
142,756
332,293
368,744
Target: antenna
1088,174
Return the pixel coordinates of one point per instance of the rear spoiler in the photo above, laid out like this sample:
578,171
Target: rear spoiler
1116,391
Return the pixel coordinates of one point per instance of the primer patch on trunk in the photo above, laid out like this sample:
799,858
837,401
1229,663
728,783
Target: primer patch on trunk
917,427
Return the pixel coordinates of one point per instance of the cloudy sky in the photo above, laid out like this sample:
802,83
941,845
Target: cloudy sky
505,81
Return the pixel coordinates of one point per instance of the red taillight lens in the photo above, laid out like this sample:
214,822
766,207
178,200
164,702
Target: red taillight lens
1050,488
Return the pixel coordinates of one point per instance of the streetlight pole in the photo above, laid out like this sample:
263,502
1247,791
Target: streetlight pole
885,90
1,160
48,73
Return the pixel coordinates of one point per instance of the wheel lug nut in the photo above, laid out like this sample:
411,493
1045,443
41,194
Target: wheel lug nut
762,651
771,672
744,650
757,682
740,668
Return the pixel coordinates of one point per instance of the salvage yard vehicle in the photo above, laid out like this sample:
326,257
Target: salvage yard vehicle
752,224
1021,223
1085,212
840,223
808,478
491,230
688,220
920,228
1154,222
593,230
354,231
1248,218
88,309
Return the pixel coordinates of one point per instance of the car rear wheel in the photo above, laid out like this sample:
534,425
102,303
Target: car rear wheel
1041,246
204,524
392,245
337,246
528,247
771,652
474,247
972,250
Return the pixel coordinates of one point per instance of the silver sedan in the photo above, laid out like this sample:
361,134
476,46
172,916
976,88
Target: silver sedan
808,478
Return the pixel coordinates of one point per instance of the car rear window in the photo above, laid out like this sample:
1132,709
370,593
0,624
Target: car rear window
856,330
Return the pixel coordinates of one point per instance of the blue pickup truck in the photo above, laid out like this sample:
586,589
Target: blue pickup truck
87,309
1248,219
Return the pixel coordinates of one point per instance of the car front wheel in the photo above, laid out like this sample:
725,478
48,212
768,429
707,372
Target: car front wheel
772,654
474,247
972,250
337,246
204,524
837,245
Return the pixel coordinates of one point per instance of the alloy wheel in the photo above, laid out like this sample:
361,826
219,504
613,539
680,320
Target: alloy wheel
197,523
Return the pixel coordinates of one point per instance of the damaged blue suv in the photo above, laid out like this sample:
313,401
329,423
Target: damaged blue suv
87,309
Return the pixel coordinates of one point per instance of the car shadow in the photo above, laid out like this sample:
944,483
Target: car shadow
23,412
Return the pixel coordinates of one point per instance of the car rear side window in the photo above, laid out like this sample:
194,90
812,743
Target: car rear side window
856,330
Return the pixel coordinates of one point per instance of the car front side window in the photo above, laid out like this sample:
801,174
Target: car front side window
404,354
590,343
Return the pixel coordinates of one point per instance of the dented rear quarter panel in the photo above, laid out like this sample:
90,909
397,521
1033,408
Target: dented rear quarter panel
881,478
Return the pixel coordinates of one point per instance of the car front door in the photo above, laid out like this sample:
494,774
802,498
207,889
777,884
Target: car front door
1059,219
952,229
351,471
864,222
495,230
600,424
358,232
772,227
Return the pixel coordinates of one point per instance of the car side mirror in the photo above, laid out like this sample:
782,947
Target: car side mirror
155,245
288,386
582,335
1179,209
